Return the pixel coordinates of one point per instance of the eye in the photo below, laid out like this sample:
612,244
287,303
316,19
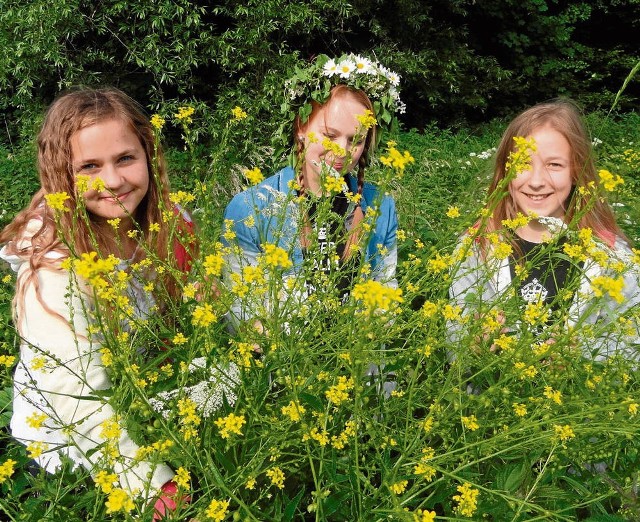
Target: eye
126,158
556,165
87,166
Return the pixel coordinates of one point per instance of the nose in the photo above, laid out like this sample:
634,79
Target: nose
537,175
111,177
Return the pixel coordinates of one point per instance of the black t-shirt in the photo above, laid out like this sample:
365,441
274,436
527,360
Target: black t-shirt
548,274
328,252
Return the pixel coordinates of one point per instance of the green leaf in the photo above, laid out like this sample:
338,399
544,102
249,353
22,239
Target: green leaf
511,476
291,507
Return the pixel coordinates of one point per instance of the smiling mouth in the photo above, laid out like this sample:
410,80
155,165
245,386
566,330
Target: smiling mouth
116,199
537,197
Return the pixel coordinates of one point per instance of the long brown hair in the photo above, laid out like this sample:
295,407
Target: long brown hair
341,91
563,116
69,113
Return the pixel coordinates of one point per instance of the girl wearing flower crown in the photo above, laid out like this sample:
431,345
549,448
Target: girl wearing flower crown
334,132
98,202
549,239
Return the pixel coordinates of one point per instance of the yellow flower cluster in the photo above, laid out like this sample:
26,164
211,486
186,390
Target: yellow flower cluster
188,418
453,212
609,181
553,395
232,423
520,157
276,257
184,114
217,510
467,500
334,148
564,433
333,184
213,263
182,478
157,122
399,487
238,114
36,448
293,410
535,313
520,409
500,249
424,516
6,469
203,315
119,500
254,175
105,481
517,222
56,201
341,440
36,420
367,119
439,263
181,197
92,269
377,297
339,393
396,159
470,422
613,286
277,477
7,360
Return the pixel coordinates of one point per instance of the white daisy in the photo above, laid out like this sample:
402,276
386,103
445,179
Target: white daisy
394,78
363,65
345,68
330,68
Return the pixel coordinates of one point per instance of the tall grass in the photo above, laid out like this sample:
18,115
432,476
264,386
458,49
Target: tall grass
364,409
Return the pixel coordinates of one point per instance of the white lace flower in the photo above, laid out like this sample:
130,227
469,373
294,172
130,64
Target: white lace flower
554,225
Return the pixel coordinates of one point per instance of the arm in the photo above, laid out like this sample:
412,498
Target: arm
243,248
56,327
385,259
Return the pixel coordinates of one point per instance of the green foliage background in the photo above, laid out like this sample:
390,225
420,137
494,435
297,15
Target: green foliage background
461,60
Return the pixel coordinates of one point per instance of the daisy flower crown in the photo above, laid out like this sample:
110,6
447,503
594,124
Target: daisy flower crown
315,82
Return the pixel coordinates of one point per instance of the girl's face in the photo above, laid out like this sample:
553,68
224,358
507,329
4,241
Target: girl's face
111,151
336,121
545,188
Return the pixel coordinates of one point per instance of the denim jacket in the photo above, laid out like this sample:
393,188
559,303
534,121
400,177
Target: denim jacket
273,214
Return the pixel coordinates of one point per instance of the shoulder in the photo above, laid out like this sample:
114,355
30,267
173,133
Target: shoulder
371,195
260,195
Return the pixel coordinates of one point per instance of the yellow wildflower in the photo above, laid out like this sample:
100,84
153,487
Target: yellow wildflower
399,487
184,114
238,114
467,500
277,477
7,360
232,423
470,422
182,478
105,481
367,119
293,410
56,201
339,393
564,433
453,212
119,500
609,181
275,257
157,122
254,176
6,469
